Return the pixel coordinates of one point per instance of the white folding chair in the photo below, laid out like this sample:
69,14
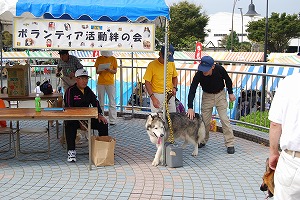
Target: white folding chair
29,132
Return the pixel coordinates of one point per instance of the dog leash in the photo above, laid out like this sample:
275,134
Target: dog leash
167,98
171,135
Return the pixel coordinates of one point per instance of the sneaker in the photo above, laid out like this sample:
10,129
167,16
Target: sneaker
112,124
230,150
201,145
71,156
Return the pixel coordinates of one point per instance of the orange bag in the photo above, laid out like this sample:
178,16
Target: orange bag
2,105
213,125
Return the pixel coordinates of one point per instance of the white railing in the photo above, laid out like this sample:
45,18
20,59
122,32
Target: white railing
246,77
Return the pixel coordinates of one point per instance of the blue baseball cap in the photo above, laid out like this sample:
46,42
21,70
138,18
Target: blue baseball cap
206,64
171,52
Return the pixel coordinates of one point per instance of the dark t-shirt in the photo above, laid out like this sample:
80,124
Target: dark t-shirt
210,84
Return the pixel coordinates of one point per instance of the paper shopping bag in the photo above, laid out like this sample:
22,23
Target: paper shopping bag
103,148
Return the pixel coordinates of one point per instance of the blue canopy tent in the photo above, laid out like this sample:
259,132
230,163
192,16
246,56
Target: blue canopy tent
99,10
118,10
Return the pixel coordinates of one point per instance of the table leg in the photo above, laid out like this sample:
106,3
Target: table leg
90,143
57,129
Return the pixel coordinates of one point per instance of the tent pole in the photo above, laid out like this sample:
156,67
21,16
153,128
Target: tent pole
165,82
165,63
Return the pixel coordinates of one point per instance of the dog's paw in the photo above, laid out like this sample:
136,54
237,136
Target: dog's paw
195,152
155,162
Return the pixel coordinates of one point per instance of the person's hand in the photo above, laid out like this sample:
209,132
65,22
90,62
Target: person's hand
58,73
174,91
273,159
231,97
190,113
155,102
102,119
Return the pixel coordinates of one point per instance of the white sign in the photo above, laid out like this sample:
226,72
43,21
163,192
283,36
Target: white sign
82,35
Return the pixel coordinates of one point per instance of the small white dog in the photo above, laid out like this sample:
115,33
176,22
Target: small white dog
191,131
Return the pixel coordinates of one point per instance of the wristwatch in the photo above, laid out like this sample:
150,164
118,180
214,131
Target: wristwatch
176,88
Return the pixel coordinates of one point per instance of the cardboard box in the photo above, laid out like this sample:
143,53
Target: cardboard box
18,80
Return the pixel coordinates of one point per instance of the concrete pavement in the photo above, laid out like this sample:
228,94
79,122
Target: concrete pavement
214,174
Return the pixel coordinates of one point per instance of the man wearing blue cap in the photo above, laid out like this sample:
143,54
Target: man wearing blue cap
154,81
211,78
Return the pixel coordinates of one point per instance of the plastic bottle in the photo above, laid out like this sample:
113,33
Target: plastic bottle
230,105
37,103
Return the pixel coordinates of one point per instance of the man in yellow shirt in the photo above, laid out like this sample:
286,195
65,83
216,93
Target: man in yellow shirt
106,82
154,81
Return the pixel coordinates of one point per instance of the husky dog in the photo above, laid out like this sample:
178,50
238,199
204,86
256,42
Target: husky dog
191,131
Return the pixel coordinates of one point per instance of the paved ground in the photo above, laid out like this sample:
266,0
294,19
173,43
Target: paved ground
212,175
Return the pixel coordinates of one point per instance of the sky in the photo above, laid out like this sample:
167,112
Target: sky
214,6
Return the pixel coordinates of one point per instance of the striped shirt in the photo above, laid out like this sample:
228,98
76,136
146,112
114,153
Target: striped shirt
70,66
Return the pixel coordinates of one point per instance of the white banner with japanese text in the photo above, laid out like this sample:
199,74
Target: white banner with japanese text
32,33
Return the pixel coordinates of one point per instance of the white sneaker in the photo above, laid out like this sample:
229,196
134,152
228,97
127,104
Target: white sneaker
71,156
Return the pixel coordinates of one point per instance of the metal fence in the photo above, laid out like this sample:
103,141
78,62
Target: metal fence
131,95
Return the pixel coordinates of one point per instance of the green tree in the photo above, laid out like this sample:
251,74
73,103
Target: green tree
235,44
245,47
7,39
282,28
185,27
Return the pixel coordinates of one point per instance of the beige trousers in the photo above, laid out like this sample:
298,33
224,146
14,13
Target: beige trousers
220,102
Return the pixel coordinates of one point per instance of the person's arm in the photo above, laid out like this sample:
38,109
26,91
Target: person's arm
228,83
69,98
274,135
78,64
58,69
191,95
193,88
154,100
114,65
93,100
175,82
227,79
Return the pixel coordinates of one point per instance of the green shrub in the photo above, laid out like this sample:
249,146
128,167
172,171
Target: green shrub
257,118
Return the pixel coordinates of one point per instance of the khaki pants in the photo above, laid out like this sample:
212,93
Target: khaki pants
220,102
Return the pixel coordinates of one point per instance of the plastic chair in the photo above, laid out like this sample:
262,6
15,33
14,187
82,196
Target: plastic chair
32,131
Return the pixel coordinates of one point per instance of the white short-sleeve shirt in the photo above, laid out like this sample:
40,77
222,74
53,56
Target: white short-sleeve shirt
285,110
